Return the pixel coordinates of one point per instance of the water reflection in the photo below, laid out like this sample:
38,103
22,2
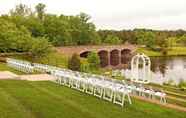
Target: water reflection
166,69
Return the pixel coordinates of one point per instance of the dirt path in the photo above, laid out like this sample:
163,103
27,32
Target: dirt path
178,99
172,106
37,77
8,75
44,77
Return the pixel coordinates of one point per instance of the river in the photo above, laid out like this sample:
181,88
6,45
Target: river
166,69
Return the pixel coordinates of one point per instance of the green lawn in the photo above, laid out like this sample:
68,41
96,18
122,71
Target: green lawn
4,67
54,58
175,51
23,99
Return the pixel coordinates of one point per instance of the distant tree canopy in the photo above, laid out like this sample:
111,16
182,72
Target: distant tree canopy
23,25
60,30
145,37
14,39
112,39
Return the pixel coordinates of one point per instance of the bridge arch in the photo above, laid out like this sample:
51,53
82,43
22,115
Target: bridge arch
104,58
125,56
84,54
114,57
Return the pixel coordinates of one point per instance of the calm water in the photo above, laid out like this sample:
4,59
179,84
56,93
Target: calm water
168,69
165,69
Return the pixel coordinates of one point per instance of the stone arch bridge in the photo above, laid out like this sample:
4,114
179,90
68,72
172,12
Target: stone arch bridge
110,55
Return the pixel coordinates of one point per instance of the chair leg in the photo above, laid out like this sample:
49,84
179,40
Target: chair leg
98,91
110,94
129,99
89,89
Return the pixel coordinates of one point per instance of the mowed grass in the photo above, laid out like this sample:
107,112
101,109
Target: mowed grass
23,99
174,51
53,58
4,67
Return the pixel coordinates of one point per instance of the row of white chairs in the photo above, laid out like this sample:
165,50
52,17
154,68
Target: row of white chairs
99,87
91,83
140,90
23,66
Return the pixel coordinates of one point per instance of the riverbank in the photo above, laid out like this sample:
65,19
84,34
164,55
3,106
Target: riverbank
174,51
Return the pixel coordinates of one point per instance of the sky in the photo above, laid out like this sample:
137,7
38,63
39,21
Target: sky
116,14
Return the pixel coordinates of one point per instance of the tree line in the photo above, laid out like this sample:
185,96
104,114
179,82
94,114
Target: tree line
26,30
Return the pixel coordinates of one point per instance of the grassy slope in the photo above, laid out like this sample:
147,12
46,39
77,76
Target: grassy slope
22,99
175,51
173,92
4,67
55,58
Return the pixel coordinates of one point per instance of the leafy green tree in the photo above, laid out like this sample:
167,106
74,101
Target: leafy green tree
111,39
182,40
40,47
74,63
40,9
145,37
82,30
13,39
171,41
56,29
35,26
93,60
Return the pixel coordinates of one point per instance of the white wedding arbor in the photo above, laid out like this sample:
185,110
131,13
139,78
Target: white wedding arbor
140,68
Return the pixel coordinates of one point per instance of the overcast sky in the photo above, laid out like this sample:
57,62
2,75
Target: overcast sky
117,14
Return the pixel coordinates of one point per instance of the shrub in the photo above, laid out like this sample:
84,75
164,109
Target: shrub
84,67
74,63
40,47
164,51
93,60
182,84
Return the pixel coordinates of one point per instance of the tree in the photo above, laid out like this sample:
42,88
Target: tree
171,41
182,40
40,9
13,39
56,29
35,26
74,63
145,37
111,39
82,30
40,47
21,10
93,60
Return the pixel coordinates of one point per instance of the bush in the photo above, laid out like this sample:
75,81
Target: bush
182,84
93,60
74,63
85,67
40,47
164,51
